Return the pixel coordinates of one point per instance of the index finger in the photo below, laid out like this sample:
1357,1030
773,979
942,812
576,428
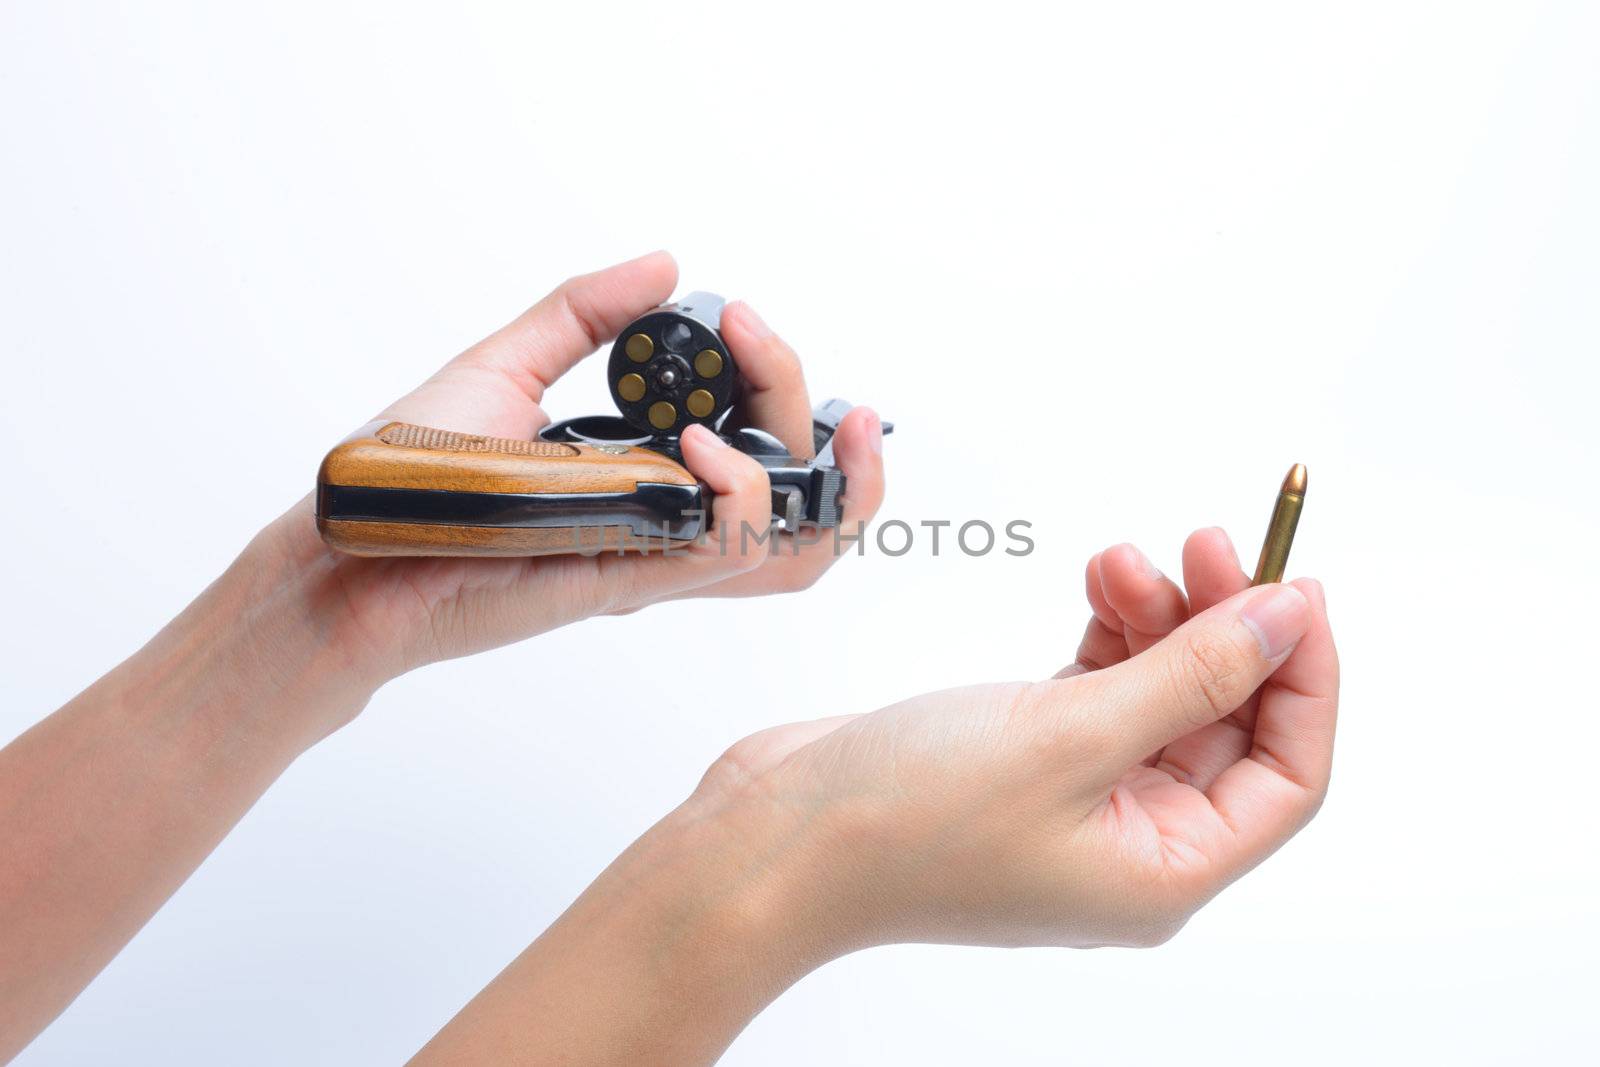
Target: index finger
775,397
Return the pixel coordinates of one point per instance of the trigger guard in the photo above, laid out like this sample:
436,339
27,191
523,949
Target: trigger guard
594,430
753,442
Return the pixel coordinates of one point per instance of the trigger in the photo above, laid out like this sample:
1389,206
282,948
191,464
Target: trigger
788,504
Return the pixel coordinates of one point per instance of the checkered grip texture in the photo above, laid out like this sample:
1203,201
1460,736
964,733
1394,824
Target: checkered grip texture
405,435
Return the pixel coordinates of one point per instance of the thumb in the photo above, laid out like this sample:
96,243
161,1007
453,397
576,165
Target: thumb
1200,672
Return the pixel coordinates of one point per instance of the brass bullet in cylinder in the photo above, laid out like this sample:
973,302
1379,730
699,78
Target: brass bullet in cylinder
708,364
663,415
1280,531
640,348
700,403
631,388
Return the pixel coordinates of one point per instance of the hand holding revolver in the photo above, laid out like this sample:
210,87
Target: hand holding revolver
408,611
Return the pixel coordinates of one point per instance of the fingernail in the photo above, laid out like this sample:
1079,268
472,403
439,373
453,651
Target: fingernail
704,435
1150,570
1232,554
754,322
874,432
1278,617
1310,586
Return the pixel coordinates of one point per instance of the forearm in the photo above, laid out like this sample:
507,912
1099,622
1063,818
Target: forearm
109,804
663,960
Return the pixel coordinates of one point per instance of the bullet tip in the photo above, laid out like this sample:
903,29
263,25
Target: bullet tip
1295,480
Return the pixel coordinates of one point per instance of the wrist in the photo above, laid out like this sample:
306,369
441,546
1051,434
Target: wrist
669,954
321,593
719,903
263,646
744,882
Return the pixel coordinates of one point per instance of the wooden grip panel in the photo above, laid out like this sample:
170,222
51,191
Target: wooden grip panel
423,539
398,455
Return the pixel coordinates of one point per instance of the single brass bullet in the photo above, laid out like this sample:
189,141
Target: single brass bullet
1280,531
640,348
631,388
708,364
662,415
700,403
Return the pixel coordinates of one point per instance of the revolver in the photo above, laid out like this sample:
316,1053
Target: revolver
588,484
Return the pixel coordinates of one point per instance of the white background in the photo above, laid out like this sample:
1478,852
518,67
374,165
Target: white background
1112,268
